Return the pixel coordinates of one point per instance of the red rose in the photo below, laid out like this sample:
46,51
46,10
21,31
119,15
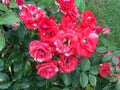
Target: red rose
40,51
66,42
66,5
47,70
19,2
87,43
31,15
67,64
88,20
104,69
67,22
47,29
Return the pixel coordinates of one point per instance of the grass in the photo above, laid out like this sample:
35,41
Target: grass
107,13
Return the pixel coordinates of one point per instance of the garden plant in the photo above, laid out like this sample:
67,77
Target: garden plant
59,45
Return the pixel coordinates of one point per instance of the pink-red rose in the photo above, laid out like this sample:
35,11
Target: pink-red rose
31,16
104,69
67,64
47,70
40,51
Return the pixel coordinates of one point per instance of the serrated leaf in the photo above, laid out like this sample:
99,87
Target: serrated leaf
83,79
92,80
75,81
9,18
3,77
2,41
44,3
66,79
116,53
101,49
85,66
3,7
115,60
107,57
4,85
94,70
1,65
80,4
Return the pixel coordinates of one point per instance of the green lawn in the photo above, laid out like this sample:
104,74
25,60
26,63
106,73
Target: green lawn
108,15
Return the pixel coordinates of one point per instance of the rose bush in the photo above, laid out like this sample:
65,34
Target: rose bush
55,45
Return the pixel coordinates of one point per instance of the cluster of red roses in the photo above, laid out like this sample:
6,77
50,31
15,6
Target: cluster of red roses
76,34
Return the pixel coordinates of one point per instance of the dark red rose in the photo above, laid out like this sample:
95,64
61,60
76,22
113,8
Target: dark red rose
19,2
98,29
67,64
66,42
104,69
47,70
87,43
88,20
47,29
31,15
40,51
66,5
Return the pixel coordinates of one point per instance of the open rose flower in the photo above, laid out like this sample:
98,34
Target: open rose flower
65,43
40,51
67,64
47,70
31,15
66,5
87,43
88,20
47,29
104,69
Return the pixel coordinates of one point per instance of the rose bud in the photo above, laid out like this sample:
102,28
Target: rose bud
19,2
98,29
106,30
6,2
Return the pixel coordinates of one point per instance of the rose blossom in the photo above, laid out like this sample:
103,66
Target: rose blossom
66,42
48,28
67,64
31,15
19,2
87,42
47,70
88,20
104,69
40,51
66,5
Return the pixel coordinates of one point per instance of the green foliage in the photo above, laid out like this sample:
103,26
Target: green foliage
17,68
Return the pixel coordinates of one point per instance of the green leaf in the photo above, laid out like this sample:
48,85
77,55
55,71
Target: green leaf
83,79
66,89
66,79
54,88
92,80
107,57
9,18
27,68
3,77
116,53
1,65
41,83
4,85
24,85
3,7
80,4
44,3
94,70
115,60
75,81
2,41
101,49
113,48
85,66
